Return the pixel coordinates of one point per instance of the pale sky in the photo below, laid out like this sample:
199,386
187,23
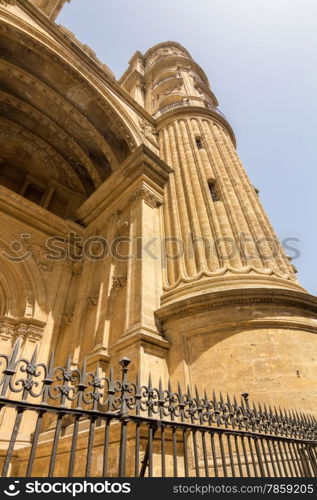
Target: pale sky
261,59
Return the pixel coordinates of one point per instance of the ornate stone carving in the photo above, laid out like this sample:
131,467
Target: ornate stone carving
40,256
113,217
174,90
122,230
11,328
68,317
7,2
6,331
148,130
119,281
145,194
77,267
92,300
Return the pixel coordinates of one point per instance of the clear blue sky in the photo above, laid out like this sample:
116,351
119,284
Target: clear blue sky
261,60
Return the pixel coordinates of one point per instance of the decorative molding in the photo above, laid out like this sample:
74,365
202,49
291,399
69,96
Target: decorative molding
77,267
174,90
118,122
113,217
247,270
11,329
39,254
148,131
119,281
92,300
148,196
7,2
239,297
68,317
122,230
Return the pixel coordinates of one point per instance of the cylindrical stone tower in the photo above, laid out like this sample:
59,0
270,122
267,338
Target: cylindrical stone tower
231,309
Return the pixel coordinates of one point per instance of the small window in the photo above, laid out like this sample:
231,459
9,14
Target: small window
212,189
199,143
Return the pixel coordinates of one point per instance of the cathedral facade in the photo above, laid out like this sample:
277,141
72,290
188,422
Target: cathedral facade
129,226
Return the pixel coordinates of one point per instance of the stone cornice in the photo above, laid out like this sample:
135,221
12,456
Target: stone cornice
174,59
239,298
194,111
95,67
143,169
144,337
167,44
25,328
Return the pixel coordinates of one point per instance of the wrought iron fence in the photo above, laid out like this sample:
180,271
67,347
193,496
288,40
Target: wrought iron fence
65,421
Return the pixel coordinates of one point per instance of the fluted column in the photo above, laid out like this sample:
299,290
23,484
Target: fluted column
228,236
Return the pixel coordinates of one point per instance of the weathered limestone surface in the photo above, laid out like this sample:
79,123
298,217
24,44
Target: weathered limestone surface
162,249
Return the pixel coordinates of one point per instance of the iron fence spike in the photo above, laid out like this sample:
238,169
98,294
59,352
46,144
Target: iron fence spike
196,393
170,385
34,355
160,385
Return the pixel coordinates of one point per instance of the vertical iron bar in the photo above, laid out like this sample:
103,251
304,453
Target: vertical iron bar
294,460
150,447
291,469
124,363
263,441
163,466
312,460
277,459
137,450
299,460
203,438
258,453
145,461
245,457
90,445
106,449
252,457
231,456
282,458
238,455
10,369
223,456
55,444
185,453
305,461
214,455
34,443
14,434
123,449
272,458
73,447
174,436
195,452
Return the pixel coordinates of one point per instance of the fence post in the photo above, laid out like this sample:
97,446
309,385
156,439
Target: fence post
124,362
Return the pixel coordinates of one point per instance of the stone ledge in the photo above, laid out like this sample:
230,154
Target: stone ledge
238,298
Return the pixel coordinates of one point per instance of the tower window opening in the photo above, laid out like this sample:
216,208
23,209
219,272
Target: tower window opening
213,190
199,143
